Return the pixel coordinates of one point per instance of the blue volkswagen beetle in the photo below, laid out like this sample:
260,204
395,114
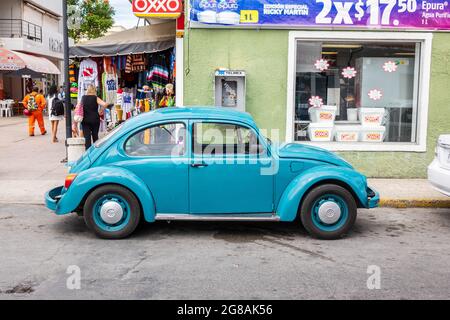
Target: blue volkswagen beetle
208,164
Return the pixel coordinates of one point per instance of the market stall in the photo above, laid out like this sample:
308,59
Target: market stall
133,69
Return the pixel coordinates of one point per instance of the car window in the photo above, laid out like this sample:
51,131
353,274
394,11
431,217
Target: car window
161,140
224,138
108,136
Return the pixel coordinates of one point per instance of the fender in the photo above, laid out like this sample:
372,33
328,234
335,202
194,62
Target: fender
89,179
293,194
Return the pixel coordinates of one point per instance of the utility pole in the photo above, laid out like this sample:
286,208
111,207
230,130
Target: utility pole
67,102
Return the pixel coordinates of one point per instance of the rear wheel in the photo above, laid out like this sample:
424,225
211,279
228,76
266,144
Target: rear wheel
112,212
328,212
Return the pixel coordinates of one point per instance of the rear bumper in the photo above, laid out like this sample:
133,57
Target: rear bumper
373,198
57,201
439,177
52,198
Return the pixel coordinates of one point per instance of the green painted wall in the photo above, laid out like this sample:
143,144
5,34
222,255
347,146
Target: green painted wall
263,55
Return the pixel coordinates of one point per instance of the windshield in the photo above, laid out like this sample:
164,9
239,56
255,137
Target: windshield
108,136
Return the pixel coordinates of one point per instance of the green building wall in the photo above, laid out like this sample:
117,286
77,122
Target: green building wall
263,54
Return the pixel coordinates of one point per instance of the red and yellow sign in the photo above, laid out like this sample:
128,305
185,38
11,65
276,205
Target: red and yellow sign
169,9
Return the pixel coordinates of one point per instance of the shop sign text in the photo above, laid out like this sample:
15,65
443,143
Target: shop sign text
157,8
392,14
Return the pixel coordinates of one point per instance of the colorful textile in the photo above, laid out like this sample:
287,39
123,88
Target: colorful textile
158,75
88,75
110,85
138,63
129,64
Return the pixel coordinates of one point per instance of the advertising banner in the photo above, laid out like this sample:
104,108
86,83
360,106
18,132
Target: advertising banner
371,14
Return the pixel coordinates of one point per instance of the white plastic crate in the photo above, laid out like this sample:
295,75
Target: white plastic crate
372,117
347,133
320,131
322,114
372,134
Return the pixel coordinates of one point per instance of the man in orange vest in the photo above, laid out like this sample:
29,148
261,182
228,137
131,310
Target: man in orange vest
35,103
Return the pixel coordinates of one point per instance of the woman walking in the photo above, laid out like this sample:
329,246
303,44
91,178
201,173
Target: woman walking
91,115
53,115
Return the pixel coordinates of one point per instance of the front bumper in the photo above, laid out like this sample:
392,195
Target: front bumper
52,198
373,198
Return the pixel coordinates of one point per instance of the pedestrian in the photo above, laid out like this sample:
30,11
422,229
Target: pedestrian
55,111
35,103
61,93
91,115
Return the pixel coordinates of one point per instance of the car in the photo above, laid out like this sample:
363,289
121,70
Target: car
439,169
213,164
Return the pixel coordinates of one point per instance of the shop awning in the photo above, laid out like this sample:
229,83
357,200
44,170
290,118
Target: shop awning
13,61
147,39
9,61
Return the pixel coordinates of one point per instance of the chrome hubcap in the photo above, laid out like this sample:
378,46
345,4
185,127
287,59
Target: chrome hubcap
111,212
329,212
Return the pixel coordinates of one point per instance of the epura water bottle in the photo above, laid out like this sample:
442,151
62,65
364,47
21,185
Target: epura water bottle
206,10
228,12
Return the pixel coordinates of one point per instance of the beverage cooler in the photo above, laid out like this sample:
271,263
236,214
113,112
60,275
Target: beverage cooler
396,89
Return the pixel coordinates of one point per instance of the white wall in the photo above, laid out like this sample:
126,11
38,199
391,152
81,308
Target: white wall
54,6
10,9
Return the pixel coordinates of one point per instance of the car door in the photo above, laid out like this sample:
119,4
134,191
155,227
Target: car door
227,173
158,155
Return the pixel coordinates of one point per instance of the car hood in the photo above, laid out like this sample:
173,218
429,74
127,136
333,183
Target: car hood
302,151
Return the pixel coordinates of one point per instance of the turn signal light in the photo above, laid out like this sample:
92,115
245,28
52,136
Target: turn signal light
69,180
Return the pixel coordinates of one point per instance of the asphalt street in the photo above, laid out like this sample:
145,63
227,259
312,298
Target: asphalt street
202,260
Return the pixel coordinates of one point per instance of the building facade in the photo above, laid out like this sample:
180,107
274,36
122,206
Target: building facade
397,79
32,27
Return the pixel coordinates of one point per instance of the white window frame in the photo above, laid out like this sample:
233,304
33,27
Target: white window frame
425,39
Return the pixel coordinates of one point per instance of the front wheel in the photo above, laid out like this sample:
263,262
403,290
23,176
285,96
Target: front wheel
112,212
328,212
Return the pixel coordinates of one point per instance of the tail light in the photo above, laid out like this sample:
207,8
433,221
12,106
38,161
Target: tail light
69,180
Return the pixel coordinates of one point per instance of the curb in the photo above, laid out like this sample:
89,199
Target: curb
415,203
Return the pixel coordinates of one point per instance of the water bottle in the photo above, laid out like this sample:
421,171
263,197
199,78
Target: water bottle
206,10
228,12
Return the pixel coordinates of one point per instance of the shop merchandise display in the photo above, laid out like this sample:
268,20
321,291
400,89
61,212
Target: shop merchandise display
158,74
73,81
88,75
133,83
322,122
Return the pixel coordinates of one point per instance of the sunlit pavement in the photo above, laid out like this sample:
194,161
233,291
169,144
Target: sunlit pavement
200,260
29,165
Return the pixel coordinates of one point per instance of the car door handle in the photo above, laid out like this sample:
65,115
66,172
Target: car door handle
198,165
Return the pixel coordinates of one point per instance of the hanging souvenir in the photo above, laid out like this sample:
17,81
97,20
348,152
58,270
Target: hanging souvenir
88,75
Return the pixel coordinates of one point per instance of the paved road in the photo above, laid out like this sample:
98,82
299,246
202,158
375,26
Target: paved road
225,260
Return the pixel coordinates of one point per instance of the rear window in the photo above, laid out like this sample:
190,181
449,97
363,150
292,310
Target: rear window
108,136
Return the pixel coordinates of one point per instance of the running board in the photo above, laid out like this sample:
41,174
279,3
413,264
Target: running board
215,217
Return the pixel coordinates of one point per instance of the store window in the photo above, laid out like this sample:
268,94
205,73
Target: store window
359,92
222,138
161,140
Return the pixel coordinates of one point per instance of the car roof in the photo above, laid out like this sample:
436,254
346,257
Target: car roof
184,113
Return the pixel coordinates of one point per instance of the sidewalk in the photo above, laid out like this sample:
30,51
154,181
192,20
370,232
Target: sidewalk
408,193
29,166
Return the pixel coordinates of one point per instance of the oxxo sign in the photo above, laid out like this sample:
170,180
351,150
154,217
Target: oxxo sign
157,8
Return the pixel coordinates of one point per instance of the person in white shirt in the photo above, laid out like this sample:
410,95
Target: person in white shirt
54,119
